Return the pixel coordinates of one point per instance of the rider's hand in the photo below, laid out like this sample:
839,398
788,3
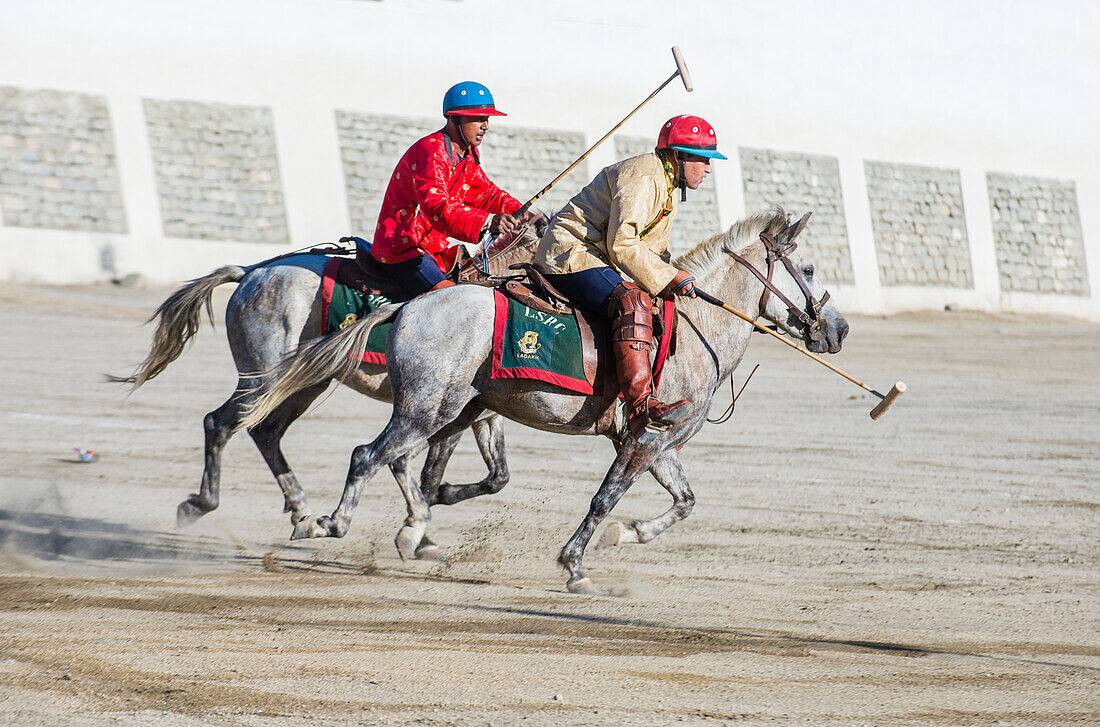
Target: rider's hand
683,284
502,224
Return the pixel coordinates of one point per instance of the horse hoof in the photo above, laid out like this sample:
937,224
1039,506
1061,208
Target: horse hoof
188,513
581,585
616,534
406,542
308,527
428,552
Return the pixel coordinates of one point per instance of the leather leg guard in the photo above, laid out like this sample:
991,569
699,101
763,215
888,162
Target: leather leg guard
632,343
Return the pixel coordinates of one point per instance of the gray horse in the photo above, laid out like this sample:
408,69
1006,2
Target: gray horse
275,308
440,379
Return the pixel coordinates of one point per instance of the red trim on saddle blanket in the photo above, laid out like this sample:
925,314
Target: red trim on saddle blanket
669,313
328,282
500,320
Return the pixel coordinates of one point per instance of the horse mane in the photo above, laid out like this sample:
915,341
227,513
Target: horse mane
705,257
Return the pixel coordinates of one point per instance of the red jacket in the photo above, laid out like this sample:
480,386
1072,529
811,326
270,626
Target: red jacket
429,199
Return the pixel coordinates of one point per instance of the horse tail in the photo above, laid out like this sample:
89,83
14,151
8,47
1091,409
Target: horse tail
178,319
333,357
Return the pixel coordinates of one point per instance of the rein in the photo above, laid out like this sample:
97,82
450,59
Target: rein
811,316
734,396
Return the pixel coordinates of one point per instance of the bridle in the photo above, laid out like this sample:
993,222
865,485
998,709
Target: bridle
810,317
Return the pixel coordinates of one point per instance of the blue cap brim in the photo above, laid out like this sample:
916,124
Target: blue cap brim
709,153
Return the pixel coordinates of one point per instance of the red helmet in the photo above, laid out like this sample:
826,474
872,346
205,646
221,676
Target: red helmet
690,134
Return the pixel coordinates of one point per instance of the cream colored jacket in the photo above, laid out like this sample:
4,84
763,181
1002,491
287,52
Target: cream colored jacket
603,225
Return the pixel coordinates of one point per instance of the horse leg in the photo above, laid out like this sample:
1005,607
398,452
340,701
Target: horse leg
268,437
630,462
431,476
489,434
667,471
400,437
425,549
219,425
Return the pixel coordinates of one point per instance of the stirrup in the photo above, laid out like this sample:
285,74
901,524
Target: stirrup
665,415
659,417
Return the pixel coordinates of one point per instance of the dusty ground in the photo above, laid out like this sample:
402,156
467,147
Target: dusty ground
937,567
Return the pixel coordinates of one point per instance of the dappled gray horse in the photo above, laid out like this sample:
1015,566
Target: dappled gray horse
440,379
275,308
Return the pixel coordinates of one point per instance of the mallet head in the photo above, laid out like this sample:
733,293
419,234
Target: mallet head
888,401
681,68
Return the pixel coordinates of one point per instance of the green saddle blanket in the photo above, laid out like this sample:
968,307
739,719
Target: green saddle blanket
342,305
530,344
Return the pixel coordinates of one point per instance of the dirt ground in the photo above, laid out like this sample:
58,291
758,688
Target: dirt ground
939,567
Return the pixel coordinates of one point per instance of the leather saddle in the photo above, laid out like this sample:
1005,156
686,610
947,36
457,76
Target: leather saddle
536,292
531,288
366,275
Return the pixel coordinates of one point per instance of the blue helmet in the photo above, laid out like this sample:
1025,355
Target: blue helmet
469,98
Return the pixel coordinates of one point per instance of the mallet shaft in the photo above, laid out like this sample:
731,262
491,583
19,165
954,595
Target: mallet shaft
681,71
888,399
572,166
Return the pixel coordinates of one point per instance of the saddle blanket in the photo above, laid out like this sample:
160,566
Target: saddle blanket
342,305
532,344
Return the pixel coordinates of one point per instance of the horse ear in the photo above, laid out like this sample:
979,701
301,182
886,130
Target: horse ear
793,230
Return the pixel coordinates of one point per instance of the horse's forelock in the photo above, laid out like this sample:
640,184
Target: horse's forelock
707,254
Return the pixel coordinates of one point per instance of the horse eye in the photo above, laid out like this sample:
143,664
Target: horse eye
808,270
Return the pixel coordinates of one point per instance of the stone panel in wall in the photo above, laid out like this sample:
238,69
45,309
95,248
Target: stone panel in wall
802,183
519,160
1037,235
370,147
919,225
697,219
217,171
57,162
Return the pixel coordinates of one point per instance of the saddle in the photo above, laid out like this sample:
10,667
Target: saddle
536,292
366,275
531,288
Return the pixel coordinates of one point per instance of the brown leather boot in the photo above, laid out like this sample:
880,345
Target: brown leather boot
631,344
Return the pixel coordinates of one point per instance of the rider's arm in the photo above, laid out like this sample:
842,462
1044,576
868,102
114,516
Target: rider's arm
634,202
489,196
447,214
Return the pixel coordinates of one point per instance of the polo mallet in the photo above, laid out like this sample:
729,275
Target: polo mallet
681,71
887,399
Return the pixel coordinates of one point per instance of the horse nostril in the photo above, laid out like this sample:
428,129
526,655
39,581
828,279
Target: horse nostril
842,329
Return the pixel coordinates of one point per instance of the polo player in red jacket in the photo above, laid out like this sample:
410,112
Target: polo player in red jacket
439,191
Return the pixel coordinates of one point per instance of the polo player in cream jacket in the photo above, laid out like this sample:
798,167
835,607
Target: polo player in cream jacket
619,225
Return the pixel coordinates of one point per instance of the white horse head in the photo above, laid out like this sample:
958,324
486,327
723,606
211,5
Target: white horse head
811,314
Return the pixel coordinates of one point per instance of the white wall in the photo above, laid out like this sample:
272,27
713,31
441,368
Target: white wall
1005,85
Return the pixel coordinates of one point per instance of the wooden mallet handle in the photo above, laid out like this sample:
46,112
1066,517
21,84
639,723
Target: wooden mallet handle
888,400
